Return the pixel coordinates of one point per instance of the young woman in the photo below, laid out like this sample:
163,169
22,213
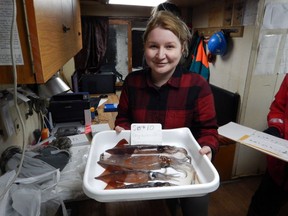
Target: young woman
166,93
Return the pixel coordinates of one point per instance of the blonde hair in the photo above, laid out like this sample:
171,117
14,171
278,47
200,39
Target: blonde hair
168,21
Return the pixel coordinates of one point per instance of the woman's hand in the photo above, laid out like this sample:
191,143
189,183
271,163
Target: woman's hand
118,129
206,150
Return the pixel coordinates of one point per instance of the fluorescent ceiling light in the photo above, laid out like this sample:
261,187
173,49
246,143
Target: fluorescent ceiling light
151,3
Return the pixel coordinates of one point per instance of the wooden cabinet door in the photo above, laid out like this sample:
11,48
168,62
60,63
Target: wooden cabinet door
56,35
52,37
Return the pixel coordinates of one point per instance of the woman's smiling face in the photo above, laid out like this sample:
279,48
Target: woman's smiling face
163,51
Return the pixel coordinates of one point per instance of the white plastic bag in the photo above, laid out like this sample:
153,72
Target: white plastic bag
67,188
32,196
5,201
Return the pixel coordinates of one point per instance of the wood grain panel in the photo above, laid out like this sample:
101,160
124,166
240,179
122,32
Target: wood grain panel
24,72
51,47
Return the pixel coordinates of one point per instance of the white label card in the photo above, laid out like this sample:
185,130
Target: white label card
6,16
146,134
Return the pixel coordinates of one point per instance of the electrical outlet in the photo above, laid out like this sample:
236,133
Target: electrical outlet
17,126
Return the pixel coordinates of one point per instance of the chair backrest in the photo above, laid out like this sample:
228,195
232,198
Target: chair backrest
226,105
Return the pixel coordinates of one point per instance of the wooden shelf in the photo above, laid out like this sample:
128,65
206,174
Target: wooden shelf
208,32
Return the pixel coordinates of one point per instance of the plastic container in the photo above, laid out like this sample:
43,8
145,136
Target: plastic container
182,137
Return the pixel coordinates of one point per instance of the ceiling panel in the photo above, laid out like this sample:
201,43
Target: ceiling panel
188,3
180,3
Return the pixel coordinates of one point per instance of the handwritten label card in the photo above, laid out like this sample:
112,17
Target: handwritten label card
146,134
258,140
268,144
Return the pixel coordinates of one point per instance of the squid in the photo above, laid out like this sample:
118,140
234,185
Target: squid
135,176
140,162
115,185
177,152
124,148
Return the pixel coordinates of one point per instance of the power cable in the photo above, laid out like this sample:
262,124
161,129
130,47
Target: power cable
13,26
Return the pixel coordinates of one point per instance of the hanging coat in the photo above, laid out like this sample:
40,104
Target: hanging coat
199,57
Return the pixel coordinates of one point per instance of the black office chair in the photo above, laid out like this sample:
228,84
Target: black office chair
226,105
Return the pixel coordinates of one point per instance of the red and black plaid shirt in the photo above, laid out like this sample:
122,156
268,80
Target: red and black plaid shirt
185,100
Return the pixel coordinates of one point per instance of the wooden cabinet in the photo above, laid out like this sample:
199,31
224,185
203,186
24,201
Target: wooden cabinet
50,37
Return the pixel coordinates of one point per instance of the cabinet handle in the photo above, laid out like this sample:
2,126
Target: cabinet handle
65,28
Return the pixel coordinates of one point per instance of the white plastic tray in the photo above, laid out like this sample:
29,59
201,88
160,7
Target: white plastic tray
182,137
